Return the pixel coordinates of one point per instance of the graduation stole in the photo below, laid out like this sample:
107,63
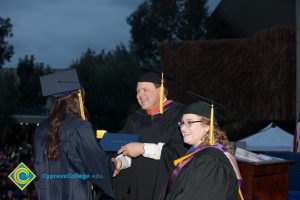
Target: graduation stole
166,106
181,162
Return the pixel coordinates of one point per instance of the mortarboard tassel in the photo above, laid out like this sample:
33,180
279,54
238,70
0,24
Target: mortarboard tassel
81,105
161,96
211,129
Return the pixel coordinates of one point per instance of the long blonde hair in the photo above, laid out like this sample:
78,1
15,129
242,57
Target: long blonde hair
220,136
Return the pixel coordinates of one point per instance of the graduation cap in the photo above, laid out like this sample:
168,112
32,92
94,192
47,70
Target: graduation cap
62,84
202,107
156,77
153,76
207,108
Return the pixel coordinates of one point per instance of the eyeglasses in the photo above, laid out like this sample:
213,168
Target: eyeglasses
188,124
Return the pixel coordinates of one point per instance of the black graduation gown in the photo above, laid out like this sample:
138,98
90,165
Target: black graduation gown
79,154
146,177
207,176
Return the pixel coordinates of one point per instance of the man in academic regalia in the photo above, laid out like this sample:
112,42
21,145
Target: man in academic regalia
67,157
143,167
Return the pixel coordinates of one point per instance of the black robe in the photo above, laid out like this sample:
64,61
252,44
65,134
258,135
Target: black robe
79,154
146,177
209,175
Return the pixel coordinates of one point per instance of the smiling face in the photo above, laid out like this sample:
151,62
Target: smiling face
147,95
197,131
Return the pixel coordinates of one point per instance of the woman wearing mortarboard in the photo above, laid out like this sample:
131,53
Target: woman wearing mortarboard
67,157
208,171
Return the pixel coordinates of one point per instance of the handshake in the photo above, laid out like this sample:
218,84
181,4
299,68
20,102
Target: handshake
124,144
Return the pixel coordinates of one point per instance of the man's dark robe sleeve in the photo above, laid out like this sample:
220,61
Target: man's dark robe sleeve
121,183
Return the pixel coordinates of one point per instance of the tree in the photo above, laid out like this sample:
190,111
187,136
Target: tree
9,94
158,21
109,79
6,50
28,72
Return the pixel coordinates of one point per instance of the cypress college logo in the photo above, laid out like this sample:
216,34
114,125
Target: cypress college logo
22,176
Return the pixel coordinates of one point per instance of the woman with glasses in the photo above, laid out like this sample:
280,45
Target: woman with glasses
208,171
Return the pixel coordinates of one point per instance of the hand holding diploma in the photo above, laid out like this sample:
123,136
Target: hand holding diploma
133,149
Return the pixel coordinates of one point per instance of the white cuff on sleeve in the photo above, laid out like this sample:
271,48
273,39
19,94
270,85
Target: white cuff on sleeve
125,160
152,150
